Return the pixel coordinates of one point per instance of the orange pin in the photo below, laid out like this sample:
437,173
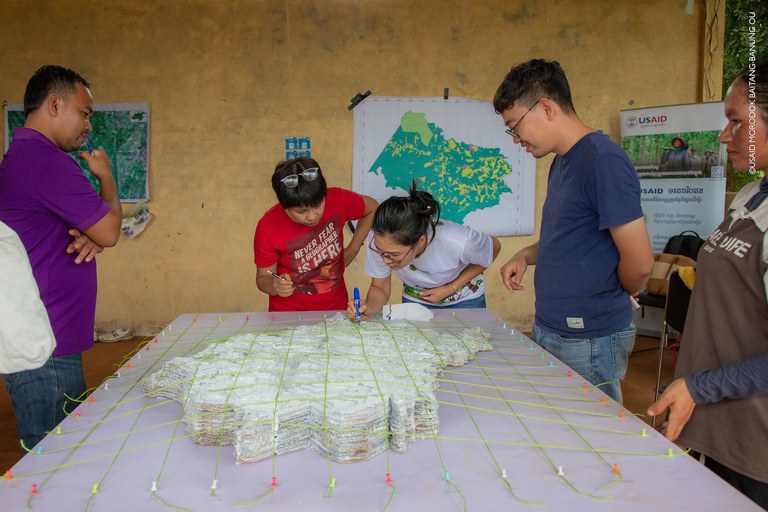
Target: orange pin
602,399
585,386
615,468
92,400
8,475
129,365
621,415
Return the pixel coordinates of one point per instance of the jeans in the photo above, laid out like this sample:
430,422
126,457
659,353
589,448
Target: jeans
478,302
602,361
37,396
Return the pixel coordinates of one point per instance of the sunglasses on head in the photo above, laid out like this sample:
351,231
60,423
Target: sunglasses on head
292,180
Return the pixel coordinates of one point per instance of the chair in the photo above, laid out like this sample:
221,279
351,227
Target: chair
655,294
675,311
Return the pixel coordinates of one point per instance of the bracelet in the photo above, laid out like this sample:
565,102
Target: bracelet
455,291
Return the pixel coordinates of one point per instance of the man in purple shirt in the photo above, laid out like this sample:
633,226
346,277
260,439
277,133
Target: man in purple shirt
63,223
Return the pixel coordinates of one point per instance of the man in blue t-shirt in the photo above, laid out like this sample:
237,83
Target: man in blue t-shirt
593,251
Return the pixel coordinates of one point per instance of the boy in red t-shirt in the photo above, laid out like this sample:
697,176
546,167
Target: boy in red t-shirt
301,239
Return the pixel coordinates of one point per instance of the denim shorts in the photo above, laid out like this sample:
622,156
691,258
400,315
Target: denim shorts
602,361
477,302
37,396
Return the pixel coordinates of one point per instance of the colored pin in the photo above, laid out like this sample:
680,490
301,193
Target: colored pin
154,486
560,470
147,347
106,386
447,476
504,474
274,482
602,399
621,414
615,468
8,475
92,400
129,364
644,433
40,450
669,452
585,386
214,485
34,488
77,414
95,489
570,374
389,479
333,483
58,430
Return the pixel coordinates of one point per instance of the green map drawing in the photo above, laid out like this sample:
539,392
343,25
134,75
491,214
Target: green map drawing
462,177
123,132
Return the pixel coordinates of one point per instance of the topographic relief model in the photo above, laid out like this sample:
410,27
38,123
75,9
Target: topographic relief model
463,177
346,391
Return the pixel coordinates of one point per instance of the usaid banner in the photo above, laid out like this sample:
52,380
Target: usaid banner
681,167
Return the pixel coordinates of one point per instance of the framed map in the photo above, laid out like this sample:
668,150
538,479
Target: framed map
456,149
120,129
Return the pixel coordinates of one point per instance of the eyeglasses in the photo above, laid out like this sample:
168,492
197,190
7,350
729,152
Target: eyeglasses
512,132
388,256
292,180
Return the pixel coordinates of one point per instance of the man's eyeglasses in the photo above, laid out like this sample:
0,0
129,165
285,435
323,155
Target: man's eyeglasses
292,180
512,132
388,256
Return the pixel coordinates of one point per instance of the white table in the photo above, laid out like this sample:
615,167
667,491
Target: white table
514,410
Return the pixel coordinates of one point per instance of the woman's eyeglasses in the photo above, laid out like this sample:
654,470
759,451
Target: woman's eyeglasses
388,256
292,180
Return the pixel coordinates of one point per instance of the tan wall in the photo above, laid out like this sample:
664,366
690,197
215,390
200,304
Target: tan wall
229,80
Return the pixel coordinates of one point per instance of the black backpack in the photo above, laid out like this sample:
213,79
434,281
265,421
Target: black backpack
686,243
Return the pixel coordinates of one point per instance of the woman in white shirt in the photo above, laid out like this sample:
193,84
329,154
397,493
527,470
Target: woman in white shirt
440,263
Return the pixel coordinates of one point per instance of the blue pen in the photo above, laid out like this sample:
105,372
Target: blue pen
356,296
88,145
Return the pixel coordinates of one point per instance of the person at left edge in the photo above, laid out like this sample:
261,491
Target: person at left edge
302,239
63,223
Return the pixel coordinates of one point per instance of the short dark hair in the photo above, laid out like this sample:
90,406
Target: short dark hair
48,80
530,81
306,193
756,76
405,219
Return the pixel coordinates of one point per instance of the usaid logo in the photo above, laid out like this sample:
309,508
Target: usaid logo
633,121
